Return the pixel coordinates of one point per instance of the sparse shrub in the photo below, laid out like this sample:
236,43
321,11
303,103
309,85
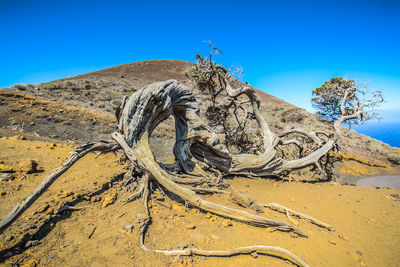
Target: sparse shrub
293,115
113,94
51,86
75,88
23,87
394,158
20,86
70,84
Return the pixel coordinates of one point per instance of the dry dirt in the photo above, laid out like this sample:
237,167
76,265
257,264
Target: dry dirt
56,116
366,220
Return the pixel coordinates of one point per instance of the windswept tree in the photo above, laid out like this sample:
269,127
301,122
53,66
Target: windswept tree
201,160
340,99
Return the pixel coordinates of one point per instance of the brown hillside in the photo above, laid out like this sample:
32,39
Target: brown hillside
103,90
83,219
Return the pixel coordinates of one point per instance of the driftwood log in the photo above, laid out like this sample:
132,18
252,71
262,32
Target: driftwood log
197,147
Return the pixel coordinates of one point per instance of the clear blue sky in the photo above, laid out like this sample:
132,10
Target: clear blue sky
286,48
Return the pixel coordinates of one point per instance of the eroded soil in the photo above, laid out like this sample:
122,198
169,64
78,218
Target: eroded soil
105,232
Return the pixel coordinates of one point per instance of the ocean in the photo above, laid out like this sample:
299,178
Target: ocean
388,132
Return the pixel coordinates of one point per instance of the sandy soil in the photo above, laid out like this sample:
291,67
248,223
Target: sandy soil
366,220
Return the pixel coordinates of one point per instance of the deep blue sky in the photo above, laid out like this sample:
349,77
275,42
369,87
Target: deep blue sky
286,48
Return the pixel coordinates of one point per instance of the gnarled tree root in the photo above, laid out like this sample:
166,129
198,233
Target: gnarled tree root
286,210
246,201
268,250
143,156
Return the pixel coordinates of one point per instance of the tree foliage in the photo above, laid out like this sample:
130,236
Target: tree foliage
340,97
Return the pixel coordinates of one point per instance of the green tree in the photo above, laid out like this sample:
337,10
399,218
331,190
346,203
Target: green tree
342,98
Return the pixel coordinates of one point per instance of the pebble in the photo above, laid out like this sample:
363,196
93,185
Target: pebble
43,208
109,199
190,226
28,166
6,168
226,223
95,199
294,222
128,226
183,245
32,243
6,177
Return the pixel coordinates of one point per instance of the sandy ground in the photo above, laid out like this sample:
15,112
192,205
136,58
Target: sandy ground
366,220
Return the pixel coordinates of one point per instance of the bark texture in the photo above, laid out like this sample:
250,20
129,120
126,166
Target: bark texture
200,159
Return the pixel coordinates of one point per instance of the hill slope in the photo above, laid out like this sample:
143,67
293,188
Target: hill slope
83,220
103,90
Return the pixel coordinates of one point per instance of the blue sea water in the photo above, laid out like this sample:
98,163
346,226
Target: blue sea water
387,132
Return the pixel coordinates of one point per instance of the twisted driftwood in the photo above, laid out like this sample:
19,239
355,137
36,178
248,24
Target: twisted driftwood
195,142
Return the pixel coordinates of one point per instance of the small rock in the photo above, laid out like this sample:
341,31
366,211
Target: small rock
183,245
109,199
64,194
254,254
28,166
3,193
6,177
128,227
6,168
294,222
17,137
32,243
190,226
159,197
43,208
226,223
332,242
95,199
293,235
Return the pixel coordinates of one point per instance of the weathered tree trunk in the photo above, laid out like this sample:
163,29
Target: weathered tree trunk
143,111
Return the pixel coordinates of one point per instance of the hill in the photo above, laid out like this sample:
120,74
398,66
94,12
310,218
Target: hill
83,219
81,109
